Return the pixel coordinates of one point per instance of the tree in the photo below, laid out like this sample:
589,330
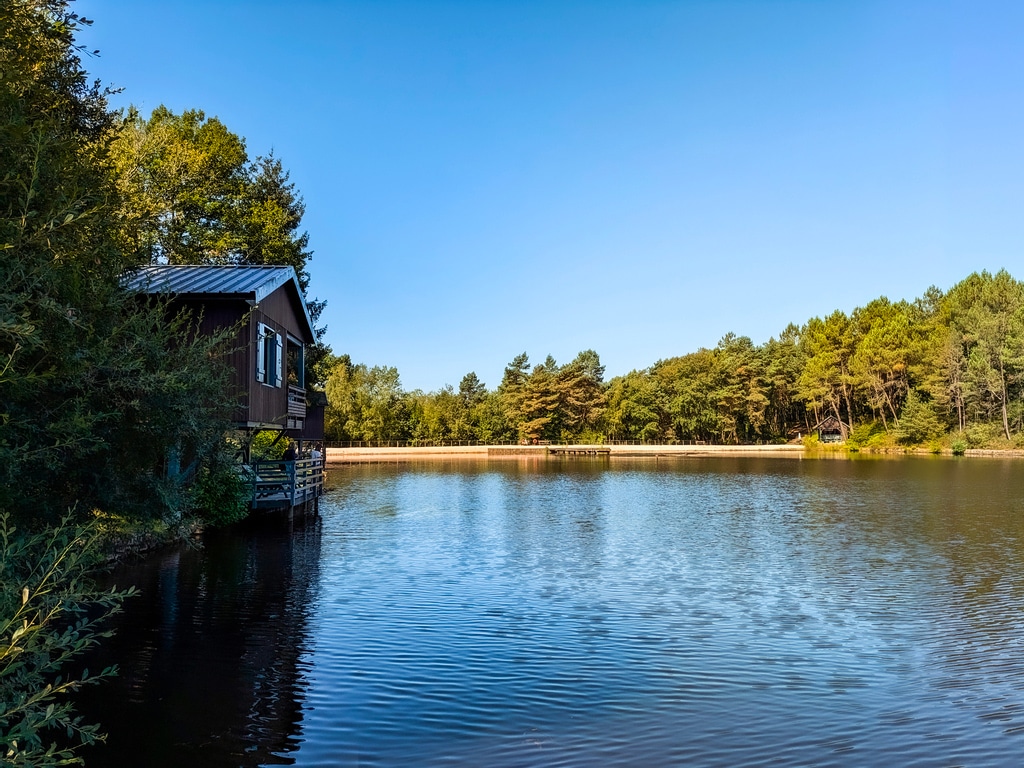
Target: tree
918,421
182,180
880,364
99,390
634,408
742,390
691,385
342,416
471,390
190,195
512,390
824,383
785,362
365,404
988,313
538,405
270,215
581,400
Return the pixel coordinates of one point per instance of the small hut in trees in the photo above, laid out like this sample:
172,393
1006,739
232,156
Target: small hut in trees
273,328
830,430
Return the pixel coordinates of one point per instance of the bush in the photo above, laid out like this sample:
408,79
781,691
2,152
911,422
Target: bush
871,434
590,437
982,435
959,447
220,495
50,613
264,448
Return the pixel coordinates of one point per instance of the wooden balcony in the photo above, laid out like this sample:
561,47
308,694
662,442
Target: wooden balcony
296,402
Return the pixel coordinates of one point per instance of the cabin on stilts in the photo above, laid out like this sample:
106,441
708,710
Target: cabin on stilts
272,326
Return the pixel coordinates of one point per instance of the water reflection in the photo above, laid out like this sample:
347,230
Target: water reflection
708,611
213,653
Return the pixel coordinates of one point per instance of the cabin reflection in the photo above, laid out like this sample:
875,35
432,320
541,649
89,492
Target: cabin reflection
210,653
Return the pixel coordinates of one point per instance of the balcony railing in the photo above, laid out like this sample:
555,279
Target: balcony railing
296,402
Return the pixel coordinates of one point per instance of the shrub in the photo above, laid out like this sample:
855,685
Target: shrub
959,447
590,437
50,613
268,445
871,434
220,495
981,435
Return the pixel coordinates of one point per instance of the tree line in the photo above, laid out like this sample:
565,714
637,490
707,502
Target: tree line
945,366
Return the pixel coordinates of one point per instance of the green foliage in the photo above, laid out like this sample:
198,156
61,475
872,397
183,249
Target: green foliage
50,614
880,363
267,445
918,422
221,496
870,434
982,435
108,401
635,408
959,447
365,404
182,180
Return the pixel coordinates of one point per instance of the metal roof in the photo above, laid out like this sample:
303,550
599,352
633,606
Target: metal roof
245,282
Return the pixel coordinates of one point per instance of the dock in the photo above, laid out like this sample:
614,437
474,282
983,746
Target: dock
548,450
579,450
292,486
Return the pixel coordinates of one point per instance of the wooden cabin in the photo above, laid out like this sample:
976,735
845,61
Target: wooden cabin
830,430
274,329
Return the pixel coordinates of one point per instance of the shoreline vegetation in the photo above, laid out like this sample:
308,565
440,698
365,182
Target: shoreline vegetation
942,372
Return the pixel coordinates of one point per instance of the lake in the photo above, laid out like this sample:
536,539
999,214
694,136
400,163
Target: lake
589,612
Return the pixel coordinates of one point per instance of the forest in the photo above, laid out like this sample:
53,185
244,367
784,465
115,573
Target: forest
943,370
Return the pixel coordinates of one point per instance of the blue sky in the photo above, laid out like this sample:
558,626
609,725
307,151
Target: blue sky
639,178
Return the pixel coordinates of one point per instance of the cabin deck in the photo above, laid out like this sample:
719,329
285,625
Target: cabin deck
286,484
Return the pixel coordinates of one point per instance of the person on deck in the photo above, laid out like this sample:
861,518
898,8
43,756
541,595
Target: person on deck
289,452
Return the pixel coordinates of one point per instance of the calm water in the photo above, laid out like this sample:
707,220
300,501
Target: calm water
708,612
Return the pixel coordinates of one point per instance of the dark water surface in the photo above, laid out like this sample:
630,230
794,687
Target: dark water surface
706,612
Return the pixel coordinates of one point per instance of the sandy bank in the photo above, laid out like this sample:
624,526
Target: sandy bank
497,452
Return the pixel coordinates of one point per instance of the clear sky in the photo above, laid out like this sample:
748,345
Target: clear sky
639,178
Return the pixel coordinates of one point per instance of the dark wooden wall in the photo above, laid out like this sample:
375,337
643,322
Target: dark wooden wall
216,315
257,402
313,426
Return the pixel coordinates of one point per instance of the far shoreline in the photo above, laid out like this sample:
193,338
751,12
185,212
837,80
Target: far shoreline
360,455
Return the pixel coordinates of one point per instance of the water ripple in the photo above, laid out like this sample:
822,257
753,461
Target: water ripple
722,612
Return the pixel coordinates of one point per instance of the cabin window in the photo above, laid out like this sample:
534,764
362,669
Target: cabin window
269,356
296,363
